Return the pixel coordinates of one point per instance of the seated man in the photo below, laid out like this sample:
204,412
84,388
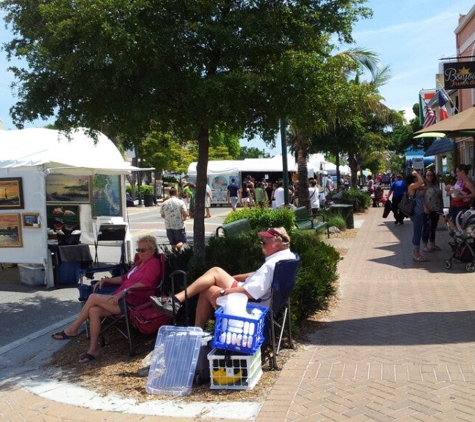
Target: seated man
140,281
216,282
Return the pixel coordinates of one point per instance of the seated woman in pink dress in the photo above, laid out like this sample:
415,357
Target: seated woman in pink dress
140,282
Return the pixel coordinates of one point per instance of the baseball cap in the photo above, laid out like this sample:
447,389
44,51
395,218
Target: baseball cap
275,231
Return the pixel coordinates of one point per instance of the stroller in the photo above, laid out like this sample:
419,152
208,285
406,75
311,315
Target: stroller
463,245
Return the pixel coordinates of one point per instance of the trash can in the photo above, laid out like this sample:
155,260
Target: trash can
148,200
346,210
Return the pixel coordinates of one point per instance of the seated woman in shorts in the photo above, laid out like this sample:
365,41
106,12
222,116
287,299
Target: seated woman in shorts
140,282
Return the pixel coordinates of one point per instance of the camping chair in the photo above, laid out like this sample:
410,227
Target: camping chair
283,282
144,318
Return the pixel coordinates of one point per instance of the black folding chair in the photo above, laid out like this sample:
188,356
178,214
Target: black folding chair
123,322
283,282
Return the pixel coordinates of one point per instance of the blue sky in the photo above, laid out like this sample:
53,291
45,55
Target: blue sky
408,35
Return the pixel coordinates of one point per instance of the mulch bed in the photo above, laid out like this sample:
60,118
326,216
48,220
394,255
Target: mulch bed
117,373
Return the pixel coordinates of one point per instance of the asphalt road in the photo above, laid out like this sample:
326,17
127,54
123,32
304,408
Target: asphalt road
26,310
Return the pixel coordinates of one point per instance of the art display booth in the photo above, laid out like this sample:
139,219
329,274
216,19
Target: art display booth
52,182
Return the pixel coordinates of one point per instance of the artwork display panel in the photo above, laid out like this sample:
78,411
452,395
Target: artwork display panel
68,188
106,195
63,217
31,220
11,193
10,231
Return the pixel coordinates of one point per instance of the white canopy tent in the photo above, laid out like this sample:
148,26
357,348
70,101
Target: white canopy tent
30,155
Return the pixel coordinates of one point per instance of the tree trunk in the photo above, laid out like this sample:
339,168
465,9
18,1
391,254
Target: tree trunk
338,175
301,152
353,164
201,181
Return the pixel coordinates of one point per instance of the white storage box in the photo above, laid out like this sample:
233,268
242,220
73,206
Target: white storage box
32,274
234,371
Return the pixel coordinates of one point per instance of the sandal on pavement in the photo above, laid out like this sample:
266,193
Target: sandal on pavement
62,336
419,258
87,358
426,249
435,248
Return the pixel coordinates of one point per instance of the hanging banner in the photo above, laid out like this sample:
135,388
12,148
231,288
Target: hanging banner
459,75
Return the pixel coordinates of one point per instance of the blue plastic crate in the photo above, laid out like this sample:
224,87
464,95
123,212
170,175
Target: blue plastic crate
240,334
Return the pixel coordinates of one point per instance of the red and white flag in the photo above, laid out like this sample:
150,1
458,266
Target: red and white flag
429,118
443,99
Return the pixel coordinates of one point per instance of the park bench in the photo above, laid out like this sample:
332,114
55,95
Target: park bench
234,228
304,221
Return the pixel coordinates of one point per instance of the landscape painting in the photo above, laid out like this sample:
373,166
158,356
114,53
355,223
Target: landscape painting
106,195
10,231
68,188
11,193
31,220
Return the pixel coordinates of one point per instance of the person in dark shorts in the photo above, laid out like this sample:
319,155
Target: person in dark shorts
397,190
175,213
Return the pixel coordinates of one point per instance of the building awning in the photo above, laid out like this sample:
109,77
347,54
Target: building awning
440,146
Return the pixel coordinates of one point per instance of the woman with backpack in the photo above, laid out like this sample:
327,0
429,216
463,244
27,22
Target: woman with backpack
433,206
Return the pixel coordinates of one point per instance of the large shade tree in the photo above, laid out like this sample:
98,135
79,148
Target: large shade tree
190,67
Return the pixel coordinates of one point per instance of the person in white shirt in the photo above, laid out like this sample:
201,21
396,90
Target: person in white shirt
216,282
313,194
208,197
279,195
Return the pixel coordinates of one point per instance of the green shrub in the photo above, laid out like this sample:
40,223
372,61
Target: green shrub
337,220
359,199
316,277
315,280
143,190
262,218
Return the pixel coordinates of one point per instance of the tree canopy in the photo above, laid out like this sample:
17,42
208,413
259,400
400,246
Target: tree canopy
127,67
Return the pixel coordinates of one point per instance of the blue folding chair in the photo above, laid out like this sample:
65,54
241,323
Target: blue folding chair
285,274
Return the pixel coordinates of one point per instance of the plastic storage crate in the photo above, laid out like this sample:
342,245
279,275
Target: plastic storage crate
174,360
239,334
32,274
234,371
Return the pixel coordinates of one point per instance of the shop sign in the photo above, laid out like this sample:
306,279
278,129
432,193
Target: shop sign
459,75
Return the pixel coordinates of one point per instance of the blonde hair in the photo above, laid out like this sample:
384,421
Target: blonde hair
150,241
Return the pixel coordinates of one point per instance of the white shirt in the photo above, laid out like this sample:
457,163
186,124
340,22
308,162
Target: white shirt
279,197
259,283
172,210
314,197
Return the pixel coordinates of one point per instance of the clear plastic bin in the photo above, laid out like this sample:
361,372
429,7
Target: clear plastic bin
174,360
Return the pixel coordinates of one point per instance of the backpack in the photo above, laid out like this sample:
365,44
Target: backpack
433,199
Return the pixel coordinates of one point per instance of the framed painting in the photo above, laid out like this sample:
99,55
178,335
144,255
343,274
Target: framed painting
68,188
31,220
63,217
106,196
10,231
11,193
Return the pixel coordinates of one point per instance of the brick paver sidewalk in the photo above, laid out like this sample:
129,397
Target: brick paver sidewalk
399,345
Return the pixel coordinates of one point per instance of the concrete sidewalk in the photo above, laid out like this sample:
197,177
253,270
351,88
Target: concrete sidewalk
398,344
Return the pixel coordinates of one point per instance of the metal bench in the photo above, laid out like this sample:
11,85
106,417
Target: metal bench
305,221
234,229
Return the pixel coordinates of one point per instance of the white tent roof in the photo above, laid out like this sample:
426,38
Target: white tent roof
61,153
268,164
218,167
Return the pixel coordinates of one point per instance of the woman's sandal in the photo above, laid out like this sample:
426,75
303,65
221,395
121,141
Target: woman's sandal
87,358
435,248
427,249
419,258
62,336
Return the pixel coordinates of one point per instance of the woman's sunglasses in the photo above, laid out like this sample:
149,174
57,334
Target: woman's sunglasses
141,250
